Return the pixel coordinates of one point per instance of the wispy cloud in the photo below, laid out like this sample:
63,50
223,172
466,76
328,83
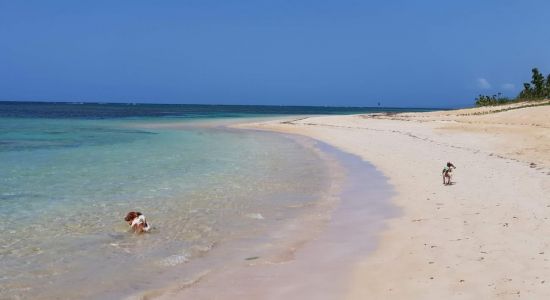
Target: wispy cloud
483,83
508,86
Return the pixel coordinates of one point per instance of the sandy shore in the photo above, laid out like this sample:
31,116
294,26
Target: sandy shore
484,237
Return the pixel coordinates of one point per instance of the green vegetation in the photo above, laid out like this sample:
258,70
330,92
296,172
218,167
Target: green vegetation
538,89
483,100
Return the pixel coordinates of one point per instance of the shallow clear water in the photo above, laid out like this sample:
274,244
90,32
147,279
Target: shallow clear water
66,184
70,172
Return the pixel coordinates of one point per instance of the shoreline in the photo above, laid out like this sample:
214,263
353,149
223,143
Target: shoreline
231,259
320,263
244,197
485,237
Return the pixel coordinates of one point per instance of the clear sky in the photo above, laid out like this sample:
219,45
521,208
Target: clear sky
422,53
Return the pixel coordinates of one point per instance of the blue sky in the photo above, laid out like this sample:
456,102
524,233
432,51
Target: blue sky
423,53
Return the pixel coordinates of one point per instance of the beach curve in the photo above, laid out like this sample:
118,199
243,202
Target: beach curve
483,237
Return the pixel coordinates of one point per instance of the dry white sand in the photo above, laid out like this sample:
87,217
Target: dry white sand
487,236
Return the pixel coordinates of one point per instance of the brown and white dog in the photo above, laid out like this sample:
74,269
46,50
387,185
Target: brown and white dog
137,222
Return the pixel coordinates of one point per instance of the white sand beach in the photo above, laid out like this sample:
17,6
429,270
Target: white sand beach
484,237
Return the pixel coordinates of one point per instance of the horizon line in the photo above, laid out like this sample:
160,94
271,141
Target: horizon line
218,104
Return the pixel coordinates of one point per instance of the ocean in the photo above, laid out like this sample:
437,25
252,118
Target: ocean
71,171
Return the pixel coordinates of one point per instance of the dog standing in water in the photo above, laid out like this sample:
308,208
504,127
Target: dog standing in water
137,222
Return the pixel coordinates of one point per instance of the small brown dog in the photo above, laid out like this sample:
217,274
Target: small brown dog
137,222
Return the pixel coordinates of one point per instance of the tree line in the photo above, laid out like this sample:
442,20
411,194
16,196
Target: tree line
538,88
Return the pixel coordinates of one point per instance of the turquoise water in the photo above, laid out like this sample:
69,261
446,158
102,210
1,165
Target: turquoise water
66,185
70,172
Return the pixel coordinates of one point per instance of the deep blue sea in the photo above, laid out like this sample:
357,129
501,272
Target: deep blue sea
70,172
127,110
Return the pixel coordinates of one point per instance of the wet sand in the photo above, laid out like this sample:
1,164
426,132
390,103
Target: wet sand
312,257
